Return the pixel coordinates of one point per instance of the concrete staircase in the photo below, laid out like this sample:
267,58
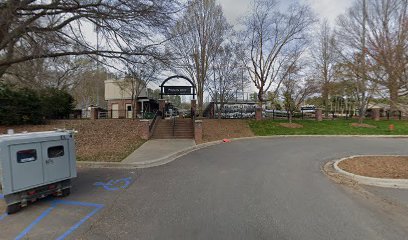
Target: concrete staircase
183,129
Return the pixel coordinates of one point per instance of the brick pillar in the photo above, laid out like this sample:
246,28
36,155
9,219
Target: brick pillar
212,111
319,115
162,106
144,131
198,131
94,113
258,114
194,105
376,114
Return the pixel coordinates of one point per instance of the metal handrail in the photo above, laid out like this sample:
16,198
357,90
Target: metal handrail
193,118
174,124
153,122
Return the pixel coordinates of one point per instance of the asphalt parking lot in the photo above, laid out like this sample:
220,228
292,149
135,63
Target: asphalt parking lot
57,218
249,189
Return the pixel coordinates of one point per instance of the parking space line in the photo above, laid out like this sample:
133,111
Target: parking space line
78,224
34,223
4,215
54,204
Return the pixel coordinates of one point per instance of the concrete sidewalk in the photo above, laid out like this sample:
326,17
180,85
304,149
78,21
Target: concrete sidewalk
157,151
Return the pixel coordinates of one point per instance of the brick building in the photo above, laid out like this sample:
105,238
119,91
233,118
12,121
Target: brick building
119,100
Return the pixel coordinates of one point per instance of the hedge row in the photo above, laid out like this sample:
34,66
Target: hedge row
29,106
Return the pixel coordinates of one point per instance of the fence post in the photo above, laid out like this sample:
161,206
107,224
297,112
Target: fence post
273,114
94,113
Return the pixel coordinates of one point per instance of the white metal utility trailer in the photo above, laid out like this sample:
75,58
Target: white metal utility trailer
35,165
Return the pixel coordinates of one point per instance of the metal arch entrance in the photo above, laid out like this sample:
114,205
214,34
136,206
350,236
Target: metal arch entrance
177,90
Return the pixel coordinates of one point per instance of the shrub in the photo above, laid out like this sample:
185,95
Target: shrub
19,106
27,106
57,104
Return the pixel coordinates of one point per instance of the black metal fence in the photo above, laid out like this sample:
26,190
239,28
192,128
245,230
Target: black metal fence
239,112
109,114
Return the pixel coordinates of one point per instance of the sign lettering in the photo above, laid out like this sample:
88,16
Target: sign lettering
177,90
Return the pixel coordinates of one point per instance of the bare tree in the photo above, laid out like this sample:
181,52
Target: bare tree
227,79
271,36
61,73
46,29
352,35
325,59
88,84
196,39
387,44
295,86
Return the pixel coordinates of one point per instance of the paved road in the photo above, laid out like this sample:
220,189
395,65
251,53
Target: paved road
250,189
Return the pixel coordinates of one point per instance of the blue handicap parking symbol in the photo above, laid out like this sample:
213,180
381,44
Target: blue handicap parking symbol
114,185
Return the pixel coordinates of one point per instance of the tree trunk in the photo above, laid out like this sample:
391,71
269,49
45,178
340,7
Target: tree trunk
326,107
361,113
393,88
260,97
200,99
290,117
220,109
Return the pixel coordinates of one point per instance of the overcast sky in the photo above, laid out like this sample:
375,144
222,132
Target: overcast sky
329,9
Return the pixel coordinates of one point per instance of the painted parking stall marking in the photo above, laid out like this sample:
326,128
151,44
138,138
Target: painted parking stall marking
114,185
55,205
2,216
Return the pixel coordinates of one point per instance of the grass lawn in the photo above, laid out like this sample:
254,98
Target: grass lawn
328,127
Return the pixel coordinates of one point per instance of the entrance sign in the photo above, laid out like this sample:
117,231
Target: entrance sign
177,90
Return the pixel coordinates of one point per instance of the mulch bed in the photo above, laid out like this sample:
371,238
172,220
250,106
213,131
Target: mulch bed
214,129
378,166
291,125
97,140
362,125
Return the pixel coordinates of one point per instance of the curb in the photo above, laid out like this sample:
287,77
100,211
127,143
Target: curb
148,164
370,181
171,157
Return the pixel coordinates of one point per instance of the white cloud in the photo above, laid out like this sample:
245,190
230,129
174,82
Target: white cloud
329,9
234,9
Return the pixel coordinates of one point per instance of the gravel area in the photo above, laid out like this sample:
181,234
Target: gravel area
377,166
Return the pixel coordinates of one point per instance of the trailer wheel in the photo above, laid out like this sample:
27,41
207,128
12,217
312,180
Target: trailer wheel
66,192
13,208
